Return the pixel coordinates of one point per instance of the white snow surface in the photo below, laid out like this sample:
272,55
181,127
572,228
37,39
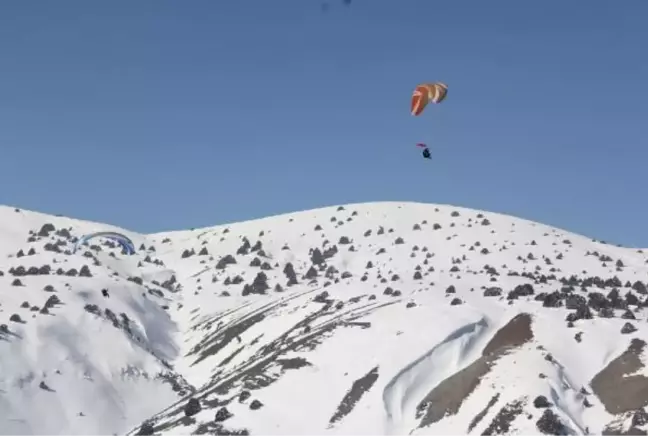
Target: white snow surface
175,325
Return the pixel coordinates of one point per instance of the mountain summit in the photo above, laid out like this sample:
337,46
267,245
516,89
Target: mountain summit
378,318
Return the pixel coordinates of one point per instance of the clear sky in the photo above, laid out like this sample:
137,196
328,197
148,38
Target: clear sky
160,115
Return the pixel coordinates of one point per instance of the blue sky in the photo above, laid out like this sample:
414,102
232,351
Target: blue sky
159,115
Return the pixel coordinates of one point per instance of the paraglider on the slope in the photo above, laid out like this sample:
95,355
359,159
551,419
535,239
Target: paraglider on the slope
426,93
426,151
122,239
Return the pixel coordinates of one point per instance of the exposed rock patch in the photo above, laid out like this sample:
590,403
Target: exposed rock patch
358,389
448,396
618,386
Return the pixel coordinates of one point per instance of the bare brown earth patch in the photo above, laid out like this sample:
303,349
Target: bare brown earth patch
448,396
513,335
618,391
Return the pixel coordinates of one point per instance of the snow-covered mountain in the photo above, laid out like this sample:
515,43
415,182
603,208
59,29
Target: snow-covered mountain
382,318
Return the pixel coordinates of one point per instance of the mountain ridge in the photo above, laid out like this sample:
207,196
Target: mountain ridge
381,318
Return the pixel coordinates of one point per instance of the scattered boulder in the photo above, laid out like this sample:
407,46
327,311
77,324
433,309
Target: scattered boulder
192,407
550,424
541,402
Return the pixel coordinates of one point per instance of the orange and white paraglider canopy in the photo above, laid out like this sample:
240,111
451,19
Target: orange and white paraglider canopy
426,93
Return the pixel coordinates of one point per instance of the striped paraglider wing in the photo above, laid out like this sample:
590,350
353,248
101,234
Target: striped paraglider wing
123,240
426,93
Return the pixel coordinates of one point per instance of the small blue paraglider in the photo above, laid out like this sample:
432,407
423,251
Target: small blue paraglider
123,240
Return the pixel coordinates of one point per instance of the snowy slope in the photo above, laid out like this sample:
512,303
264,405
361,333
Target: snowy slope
69,360
382,318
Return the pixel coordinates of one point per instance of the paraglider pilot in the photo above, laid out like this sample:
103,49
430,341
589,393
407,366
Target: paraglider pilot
426,150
